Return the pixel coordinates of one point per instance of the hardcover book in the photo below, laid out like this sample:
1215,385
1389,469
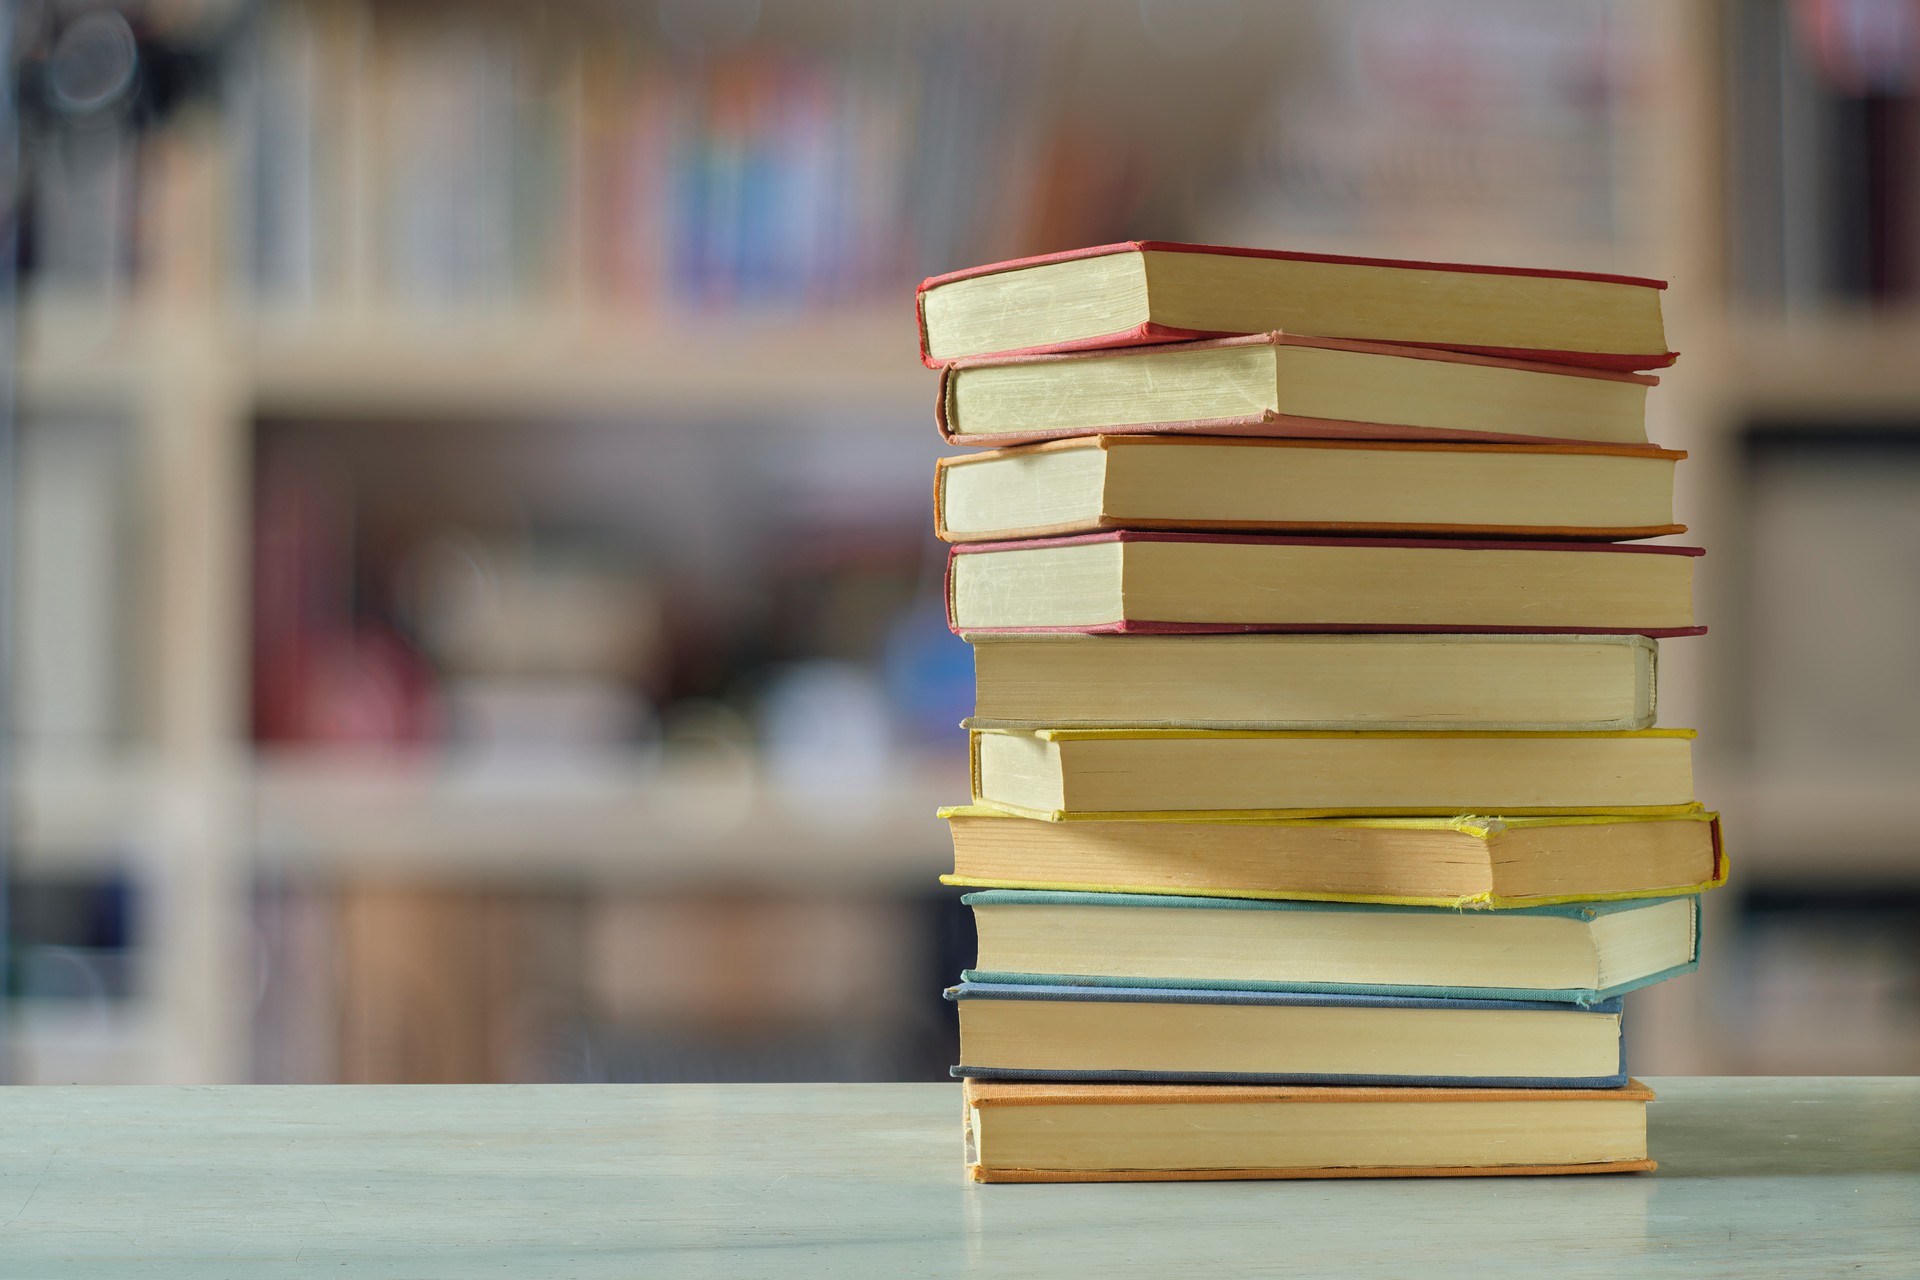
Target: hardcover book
1356,681
1144,291
1201,483
1582,953
1467,862
1165,1132
1050,773
1278,384
1173,583
1163,1035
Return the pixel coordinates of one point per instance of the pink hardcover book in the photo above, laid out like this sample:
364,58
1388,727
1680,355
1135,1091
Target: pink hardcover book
1200,583
1183,292
1460,419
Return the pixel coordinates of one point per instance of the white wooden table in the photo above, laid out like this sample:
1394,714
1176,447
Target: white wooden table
1759,1177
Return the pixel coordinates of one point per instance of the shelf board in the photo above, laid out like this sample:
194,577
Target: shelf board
629,822
724,363
1831,365
84,353
81,810
80,1042
78,352
1853,831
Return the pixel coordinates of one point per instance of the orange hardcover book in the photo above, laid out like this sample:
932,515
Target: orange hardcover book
1203,484
1021,1132
1147,291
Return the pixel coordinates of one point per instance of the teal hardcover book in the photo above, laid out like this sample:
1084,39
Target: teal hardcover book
1576,953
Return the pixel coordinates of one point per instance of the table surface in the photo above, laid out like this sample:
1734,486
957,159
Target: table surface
1758,1176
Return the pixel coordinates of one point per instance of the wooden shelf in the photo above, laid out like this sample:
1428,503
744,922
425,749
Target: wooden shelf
82,353
79,352
626,822
1851,367
80,1042
82,811
1836,832
713,365
621,820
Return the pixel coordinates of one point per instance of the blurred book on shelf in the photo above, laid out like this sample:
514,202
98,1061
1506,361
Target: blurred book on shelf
375,980
1831,694
1824,109
72,678
487,593
1484,122
1828,980
562,158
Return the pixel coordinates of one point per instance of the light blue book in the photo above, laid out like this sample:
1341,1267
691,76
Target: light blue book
1014,1031
1577,953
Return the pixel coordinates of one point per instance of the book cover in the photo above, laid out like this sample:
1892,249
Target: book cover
966,990
1151,626
1150,332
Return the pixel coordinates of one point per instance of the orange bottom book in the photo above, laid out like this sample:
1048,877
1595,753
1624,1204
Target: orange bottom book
1151,1133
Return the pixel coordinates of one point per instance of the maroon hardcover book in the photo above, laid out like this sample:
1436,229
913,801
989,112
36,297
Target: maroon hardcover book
1293,593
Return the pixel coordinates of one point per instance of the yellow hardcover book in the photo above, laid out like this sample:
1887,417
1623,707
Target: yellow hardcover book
1465,862
1053,773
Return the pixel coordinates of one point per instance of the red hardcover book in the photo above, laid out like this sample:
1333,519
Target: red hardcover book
1147,291
1377,488
1129,582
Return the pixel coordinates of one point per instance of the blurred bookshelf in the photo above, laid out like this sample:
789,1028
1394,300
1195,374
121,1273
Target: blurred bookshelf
597,294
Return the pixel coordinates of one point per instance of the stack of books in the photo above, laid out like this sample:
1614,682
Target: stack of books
1318,820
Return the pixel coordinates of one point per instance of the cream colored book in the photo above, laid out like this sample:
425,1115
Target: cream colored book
1278,384
1173,583
1026,1132
1524,682
1051,773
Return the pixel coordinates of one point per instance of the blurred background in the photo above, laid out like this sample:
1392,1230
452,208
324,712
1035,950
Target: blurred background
474,613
